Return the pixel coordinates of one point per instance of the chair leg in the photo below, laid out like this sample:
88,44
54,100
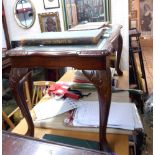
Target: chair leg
28,99
132,148
8,121
132,61
143,70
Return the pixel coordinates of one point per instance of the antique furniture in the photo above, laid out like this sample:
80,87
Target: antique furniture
7,120
11,145
135,47
94,57
117,138
39,88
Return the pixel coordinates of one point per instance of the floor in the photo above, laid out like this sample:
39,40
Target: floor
147,117
148,63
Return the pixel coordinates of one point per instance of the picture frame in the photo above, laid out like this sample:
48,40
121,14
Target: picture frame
146,17
81,11
134,14
133,23
51,4
49,22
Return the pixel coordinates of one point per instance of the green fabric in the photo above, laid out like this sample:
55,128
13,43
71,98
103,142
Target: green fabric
72,141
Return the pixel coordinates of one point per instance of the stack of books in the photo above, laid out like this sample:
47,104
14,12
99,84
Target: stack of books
81,82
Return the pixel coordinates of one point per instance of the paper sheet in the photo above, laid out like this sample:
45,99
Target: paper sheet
121,115
53,107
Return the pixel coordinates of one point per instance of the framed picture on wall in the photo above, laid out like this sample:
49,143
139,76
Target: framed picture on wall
146,17
50,4
49,22
134,14
82,11
133,23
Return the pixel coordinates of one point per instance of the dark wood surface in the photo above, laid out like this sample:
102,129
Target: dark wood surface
5,27
6,64
14,144
83,57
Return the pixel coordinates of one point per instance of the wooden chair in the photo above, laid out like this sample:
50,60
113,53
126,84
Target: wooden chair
132,148
135,48
39,90
7,120
10,120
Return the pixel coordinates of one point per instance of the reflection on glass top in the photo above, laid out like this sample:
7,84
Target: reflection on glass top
46,43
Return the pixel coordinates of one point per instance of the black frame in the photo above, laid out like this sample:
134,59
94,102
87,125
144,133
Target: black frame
50,7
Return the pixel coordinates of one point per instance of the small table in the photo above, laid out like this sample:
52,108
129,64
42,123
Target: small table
84,57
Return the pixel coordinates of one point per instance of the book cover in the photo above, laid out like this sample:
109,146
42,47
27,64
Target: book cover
63,38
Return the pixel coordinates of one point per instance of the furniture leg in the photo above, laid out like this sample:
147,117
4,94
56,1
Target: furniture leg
16,75
143,70
102,81
119,53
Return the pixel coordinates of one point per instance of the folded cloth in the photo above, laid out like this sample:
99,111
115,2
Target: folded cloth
62,90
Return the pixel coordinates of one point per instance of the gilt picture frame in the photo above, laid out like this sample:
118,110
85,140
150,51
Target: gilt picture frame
49,22
134,14
51,4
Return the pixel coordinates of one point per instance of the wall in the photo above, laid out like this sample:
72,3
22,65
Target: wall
119,16
119,12
16,31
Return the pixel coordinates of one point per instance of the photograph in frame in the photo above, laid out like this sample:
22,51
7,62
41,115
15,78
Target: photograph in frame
50,4
146,17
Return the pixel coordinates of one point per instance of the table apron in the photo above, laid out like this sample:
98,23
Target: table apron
83,63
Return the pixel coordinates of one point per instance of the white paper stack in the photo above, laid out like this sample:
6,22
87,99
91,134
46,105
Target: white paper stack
53,107
121,115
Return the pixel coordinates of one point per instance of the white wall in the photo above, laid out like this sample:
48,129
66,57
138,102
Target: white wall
16,31
119,12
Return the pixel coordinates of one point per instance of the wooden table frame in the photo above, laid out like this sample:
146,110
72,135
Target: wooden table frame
11,145
95,60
